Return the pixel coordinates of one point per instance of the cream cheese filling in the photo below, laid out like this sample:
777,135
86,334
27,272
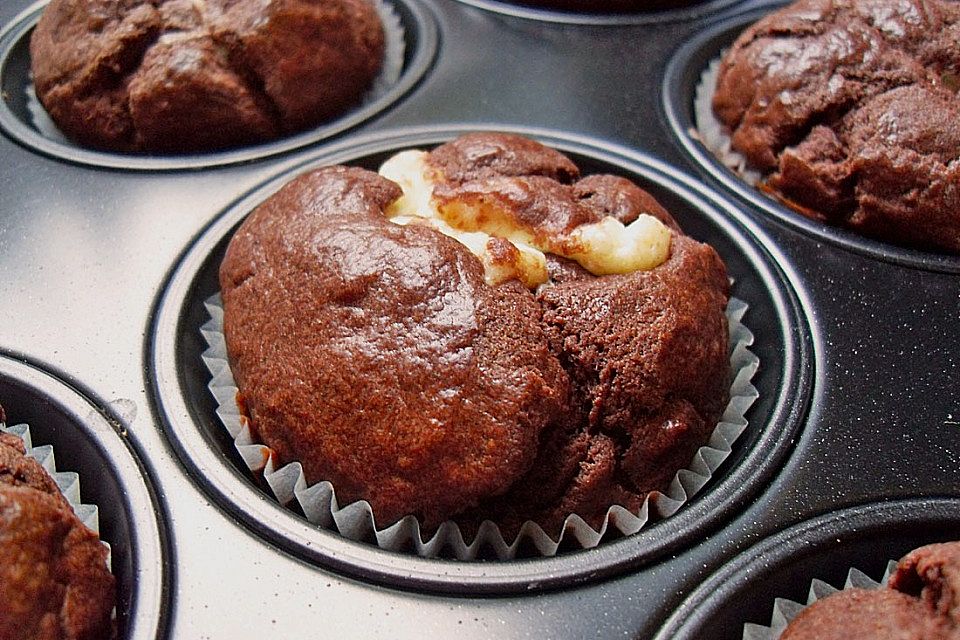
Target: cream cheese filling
505,248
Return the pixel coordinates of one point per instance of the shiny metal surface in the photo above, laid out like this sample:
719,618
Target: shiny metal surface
85,253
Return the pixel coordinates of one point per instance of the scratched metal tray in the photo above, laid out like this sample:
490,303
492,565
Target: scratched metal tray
106,259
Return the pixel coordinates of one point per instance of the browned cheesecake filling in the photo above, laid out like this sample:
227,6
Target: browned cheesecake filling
489,221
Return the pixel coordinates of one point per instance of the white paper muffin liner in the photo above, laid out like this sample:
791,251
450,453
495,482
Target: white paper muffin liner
786,610
67,481
395,45
356,521
711,132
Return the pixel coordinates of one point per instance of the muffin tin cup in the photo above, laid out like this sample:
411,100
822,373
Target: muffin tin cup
356,521
784,344
410,45
686,11
393,59
104,471
686,93
754,596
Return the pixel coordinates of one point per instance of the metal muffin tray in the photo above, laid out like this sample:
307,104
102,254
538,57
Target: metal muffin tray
851,457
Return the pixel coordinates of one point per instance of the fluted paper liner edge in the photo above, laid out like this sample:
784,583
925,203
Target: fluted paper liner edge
356,521
711,132
67,481
784,610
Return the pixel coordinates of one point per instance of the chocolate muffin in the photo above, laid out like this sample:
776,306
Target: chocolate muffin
173,76
921,601
54,581
485,336
849,110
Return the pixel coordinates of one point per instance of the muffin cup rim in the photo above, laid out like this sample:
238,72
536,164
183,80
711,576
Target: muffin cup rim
147,601
611,18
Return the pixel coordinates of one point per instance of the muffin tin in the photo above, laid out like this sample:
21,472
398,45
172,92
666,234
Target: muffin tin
681,80
105,261
92,445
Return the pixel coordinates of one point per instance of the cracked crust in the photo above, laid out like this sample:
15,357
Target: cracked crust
850,110
197,75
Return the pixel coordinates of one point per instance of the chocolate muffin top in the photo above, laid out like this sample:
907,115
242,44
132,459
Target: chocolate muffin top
191,75
922,602
54,582
406,368
850,110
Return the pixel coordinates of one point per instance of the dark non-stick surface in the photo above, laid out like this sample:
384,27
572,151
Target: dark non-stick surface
86,253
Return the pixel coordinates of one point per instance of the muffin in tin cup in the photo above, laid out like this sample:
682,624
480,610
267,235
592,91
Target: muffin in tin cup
494,173
782,347
208,83
184,77
97,471
844,112
916,597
